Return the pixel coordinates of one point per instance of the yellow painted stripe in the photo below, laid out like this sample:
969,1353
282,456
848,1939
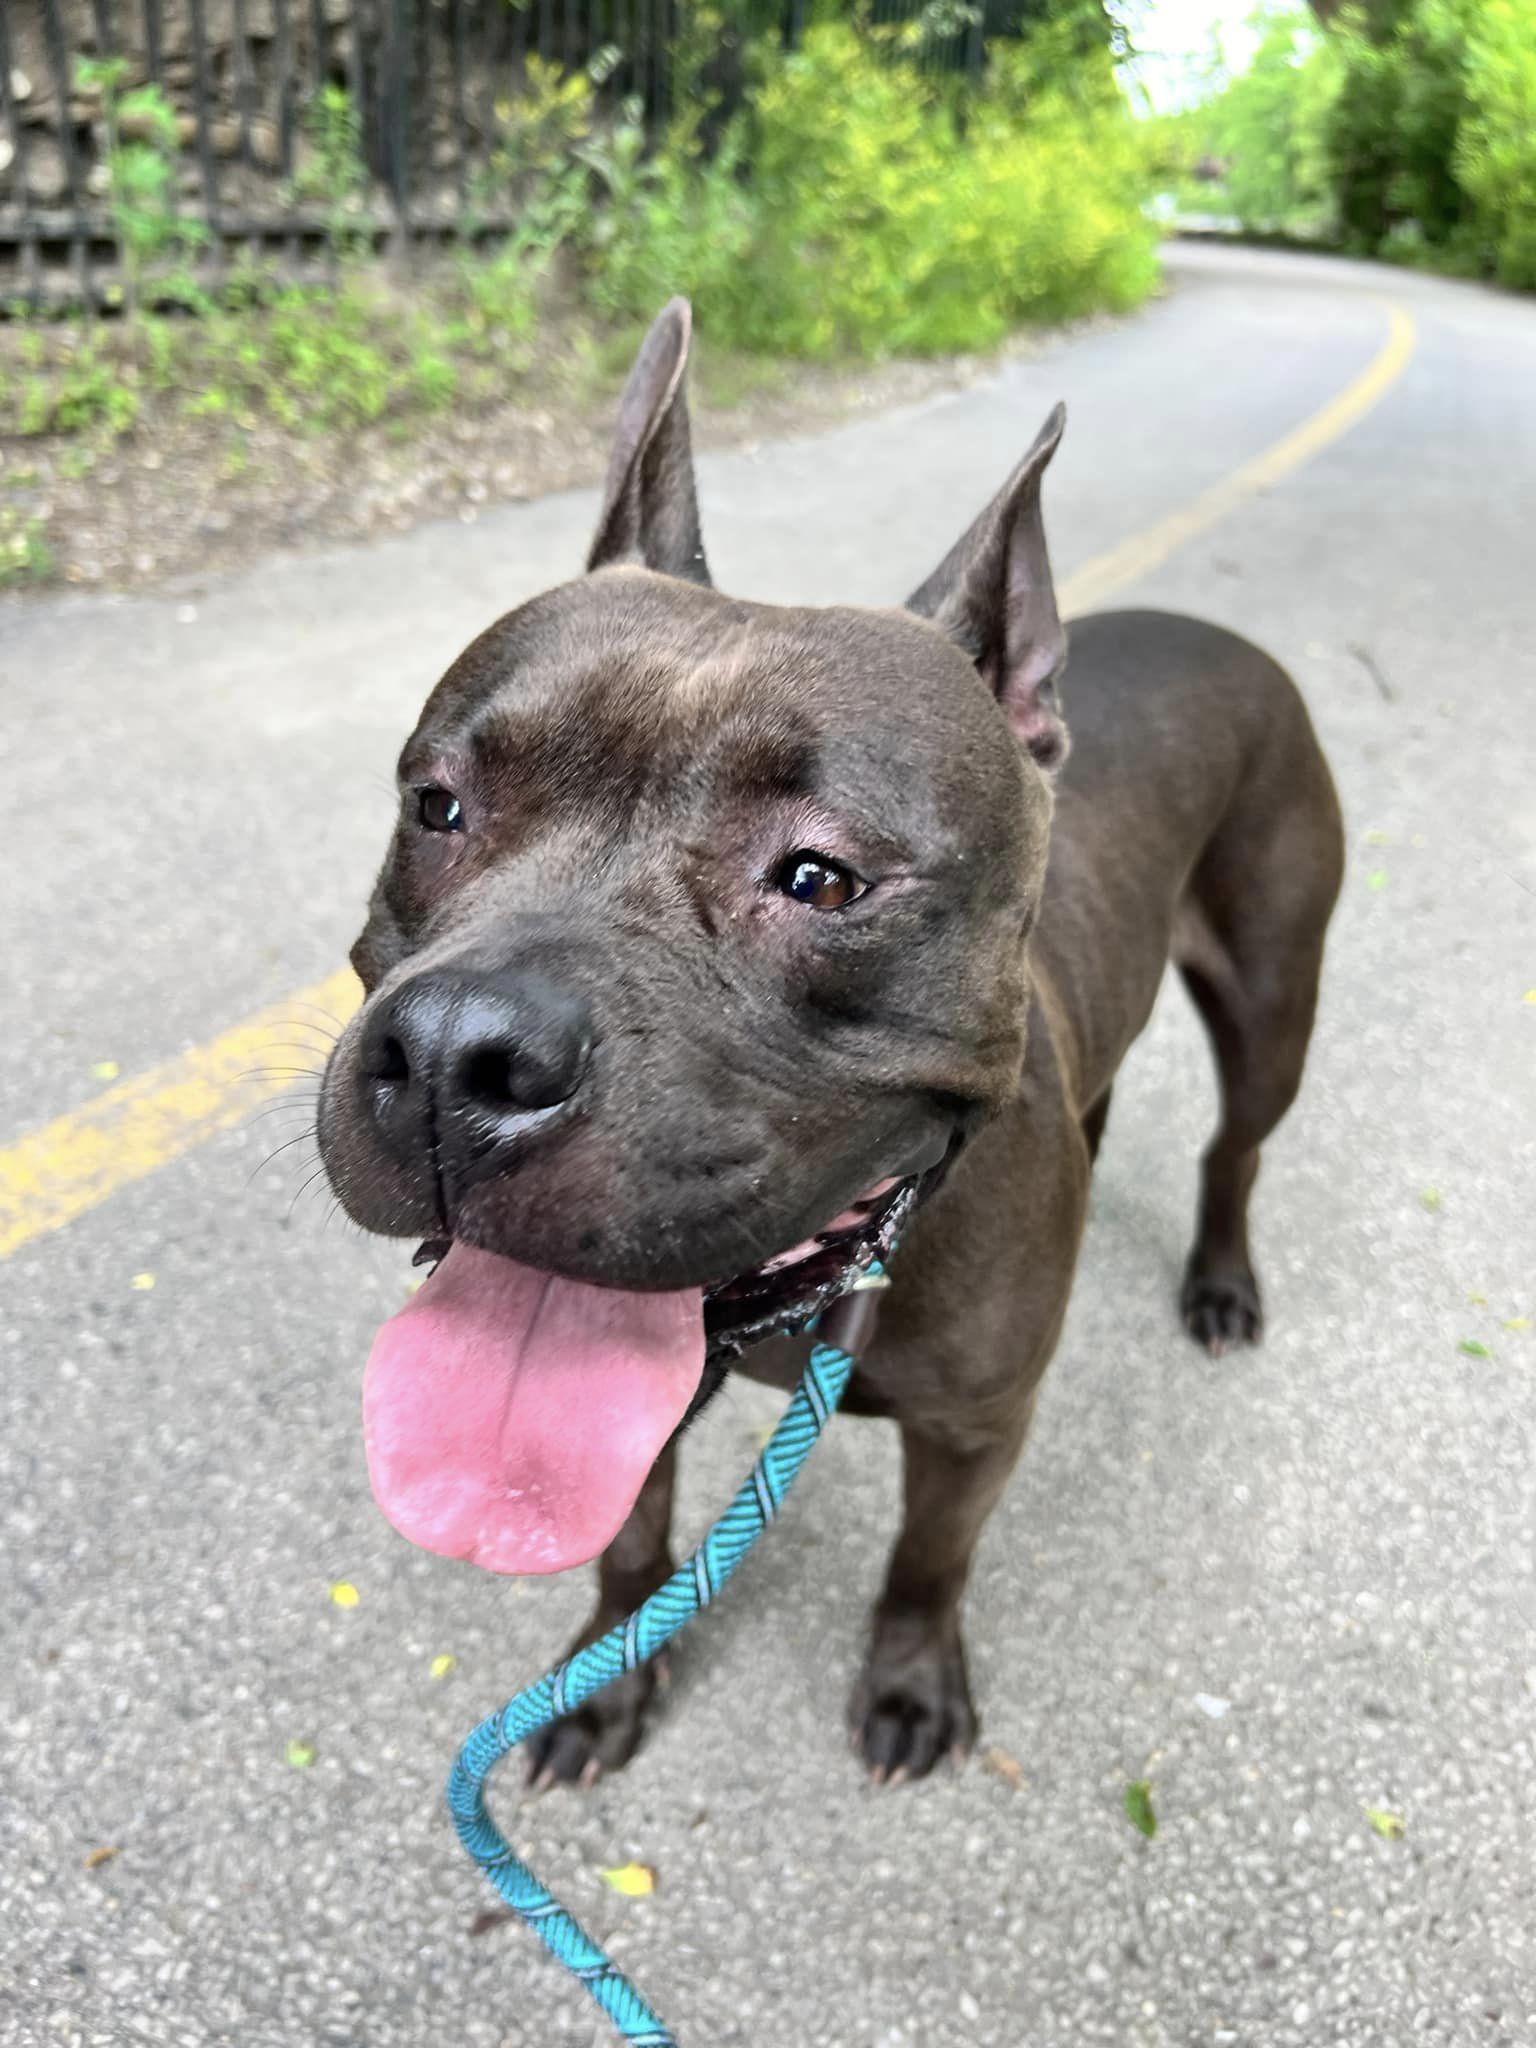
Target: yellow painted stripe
1105,575
79,1160
53,1175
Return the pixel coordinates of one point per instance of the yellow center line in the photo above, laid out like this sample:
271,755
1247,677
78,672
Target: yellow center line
69,1166
55,1174
1146,551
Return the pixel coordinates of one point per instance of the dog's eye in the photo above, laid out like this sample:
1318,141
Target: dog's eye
439,810
813,879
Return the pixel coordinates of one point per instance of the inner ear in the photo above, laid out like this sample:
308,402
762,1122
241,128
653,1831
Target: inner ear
650,512
993,594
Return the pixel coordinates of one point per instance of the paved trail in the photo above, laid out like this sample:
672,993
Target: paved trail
1285,1588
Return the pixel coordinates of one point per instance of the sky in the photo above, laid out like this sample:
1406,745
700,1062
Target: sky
1174,40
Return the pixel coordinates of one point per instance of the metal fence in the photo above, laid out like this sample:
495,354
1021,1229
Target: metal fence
424,87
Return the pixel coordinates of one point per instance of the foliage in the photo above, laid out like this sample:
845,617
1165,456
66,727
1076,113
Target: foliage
82,391
1496,144
1392,130
1406,129
317,362
332,174
1270,126
24,553
860,206
854,197
140,163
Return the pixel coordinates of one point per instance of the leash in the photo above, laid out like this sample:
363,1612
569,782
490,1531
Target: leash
848,1323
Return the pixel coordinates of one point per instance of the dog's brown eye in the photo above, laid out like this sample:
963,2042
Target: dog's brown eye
440,810
814,880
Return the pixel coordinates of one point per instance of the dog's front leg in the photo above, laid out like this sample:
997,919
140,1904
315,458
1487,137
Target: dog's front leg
603,1734
912,1703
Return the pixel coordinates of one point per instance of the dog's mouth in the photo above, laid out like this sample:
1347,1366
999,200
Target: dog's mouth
785,1292
511,1415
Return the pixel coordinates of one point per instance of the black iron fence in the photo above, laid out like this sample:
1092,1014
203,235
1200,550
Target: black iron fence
280,126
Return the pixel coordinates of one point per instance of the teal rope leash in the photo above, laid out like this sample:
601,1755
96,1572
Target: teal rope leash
653,1624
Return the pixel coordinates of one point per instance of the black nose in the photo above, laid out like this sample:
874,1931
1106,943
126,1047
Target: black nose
462,1062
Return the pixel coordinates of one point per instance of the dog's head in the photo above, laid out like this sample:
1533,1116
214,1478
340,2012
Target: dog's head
699,945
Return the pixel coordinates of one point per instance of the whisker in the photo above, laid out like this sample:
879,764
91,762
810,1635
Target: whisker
278,1151
329,1015
291,1105
281,1073
303,1189
289,1045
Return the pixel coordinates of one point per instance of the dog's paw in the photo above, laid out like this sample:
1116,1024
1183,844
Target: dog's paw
601,1735
911,1708
1221,1310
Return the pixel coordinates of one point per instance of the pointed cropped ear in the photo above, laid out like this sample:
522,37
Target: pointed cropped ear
650,514
993,595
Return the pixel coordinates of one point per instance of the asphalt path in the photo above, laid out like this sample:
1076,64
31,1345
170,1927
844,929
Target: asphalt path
1292,1589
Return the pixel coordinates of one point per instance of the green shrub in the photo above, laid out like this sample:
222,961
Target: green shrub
1270,126
25,556
1408,127
85,390
1495,156
140,166
859,206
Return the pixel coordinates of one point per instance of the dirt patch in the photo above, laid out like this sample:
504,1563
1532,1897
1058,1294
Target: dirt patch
182,494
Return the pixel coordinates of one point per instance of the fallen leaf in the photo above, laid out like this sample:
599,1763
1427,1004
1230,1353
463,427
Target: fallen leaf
1376,879
344,1594
441,1666
493,1916
300,1754
1390,1826
105,1070
1004,1766
1138,1808
1530,995
141,1283
632,1880
1430,1197
1478,1300
1519,1324
1473,1347
1378,838
99,1856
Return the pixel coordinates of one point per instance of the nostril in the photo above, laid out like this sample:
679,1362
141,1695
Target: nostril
487,1076
525,1075
388,1061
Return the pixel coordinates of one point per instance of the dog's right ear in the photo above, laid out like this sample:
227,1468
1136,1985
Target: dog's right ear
650,512
993,595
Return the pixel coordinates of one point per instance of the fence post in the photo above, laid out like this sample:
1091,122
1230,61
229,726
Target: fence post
152,40
205,154
393,85
13,126
58,59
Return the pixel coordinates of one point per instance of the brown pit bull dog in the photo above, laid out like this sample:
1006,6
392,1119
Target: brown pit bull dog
718,942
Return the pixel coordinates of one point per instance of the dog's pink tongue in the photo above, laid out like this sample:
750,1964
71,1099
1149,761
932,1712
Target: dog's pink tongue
511,1417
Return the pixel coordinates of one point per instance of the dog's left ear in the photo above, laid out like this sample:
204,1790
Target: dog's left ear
650,512
993,595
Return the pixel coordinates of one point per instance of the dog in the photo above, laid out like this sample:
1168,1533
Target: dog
716,944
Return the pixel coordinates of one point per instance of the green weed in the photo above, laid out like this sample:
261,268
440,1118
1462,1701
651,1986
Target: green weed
140,163
86,390
25,556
